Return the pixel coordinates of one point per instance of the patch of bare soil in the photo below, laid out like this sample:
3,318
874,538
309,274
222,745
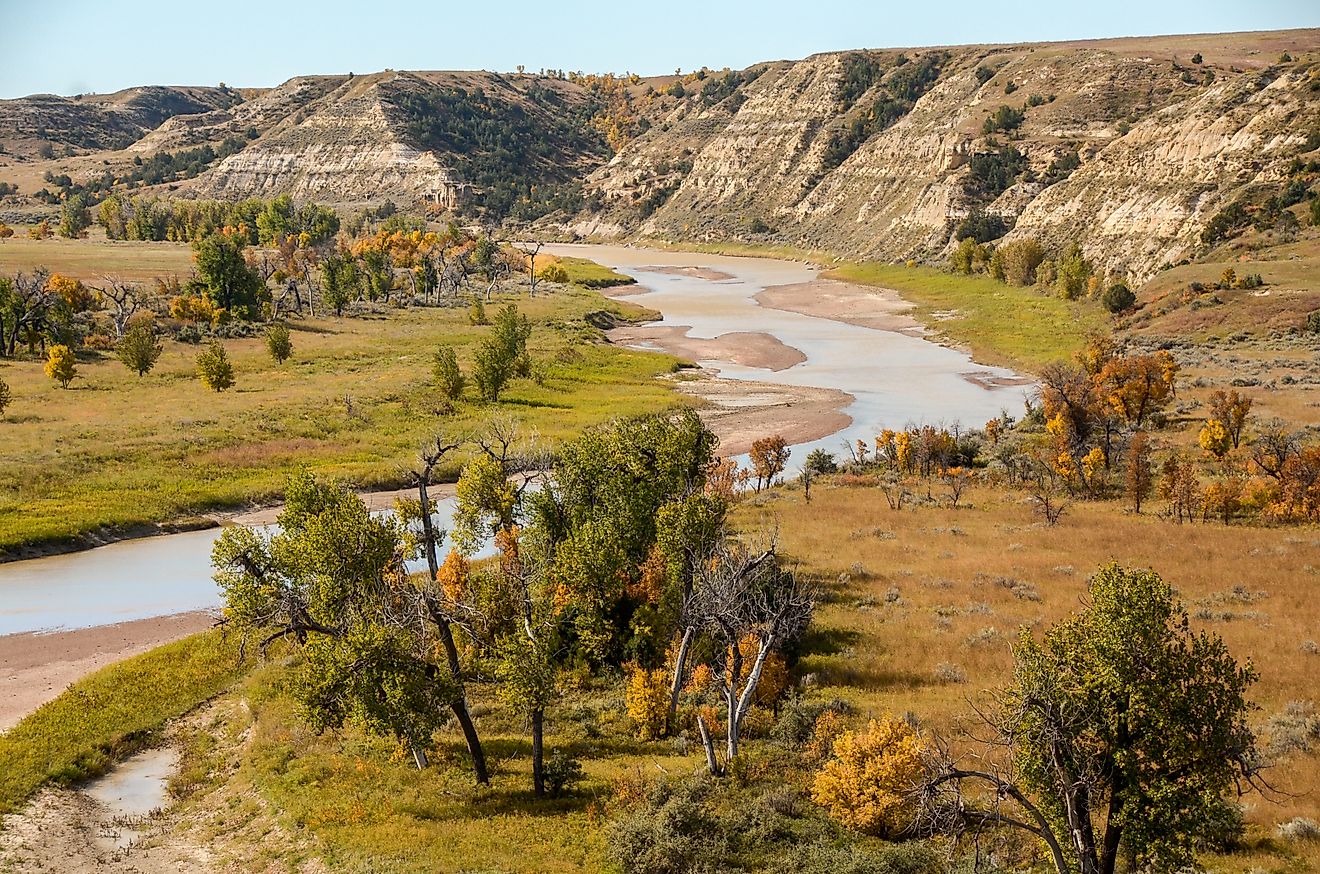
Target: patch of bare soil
748,348
35,668
222,826
741,412
866,306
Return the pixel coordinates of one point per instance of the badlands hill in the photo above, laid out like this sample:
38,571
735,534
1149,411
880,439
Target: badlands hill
1130,147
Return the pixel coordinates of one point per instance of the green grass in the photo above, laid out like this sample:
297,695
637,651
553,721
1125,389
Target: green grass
370,810
112,713
589,274
1000,324
115,452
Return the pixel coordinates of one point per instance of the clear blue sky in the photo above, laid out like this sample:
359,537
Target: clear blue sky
74,46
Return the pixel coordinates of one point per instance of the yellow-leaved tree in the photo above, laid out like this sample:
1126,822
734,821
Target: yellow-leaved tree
867,784
647,699
61,365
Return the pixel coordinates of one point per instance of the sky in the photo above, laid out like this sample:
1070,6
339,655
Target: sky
77,46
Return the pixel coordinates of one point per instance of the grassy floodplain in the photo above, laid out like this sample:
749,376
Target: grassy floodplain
115,451
113,713
999,324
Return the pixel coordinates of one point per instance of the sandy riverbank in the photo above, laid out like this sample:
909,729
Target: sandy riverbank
35,668
748,348
741,411
881,309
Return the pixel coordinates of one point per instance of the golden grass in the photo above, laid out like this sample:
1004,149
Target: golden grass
92,258
922,597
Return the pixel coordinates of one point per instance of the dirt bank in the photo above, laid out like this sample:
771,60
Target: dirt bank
879,308
741,411
35,668
748,348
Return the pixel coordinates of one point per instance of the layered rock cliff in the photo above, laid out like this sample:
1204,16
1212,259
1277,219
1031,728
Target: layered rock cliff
1128,147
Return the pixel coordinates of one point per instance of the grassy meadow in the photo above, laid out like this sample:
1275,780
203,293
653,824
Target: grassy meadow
114,451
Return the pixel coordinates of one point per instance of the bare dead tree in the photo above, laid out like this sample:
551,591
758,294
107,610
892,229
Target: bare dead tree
741,594
531,249
124,300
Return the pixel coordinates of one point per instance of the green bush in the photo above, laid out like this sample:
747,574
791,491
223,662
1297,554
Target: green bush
214,367
278,343
448,376
1118,297
562,773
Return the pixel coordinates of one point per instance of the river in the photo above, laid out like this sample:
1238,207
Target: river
893,378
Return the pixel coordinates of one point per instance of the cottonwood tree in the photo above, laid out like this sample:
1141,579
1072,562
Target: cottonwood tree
1231,409
503,354
225,277
1122,732
436,601
26,302
626,517
744,594
332,581
278,342
769,456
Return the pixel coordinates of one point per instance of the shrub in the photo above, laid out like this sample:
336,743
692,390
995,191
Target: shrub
61,365
214,367
1299,829
139,349
448,375
1005,118
555,273
278,343
1118,297
820,461
1196,58
981,227
477,312
866,783
562,773
827,858
797,721
1312,323
674,833
984,74
6,397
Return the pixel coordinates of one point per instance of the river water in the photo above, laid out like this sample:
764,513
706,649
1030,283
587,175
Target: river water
894,378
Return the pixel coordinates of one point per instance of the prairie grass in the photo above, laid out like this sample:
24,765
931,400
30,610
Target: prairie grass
927,627
91,259
112,713
115,451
